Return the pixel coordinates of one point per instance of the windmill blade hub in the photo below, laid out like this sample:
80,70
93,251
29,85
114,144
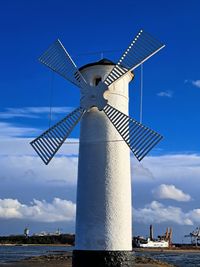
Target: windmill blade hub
93,96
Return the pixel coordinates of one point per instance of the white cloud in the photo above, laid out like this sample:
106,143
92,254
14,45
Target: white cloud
27,166
18,153
195,215
140,172
64,210
41,211
10,130
31,170
33,112
196,83
21,147
165,191
178,167
167,93
155,212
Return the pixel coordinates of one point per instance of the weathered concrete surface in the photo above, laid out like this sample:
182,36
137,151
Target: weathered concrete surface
104,217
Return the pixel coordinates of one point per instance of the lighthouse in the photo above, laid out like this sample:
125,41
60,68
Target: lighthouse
104,217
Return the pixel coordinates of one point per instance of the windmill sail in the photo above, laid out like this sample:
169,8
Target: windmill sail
138,137
141,48
58,59
48,143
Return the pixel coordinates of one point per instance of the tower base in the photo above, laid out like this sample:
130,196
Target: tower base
91,258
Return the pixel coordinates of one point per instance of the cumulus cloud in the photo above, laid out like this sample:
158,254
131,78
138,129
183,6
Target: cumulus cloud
19,162
167,93
165,191
140,171
40,211
195,215
155,212
177,167
31,170
26,165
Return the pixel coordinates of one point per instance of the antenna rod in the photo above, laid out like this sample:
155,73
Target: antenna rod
141,94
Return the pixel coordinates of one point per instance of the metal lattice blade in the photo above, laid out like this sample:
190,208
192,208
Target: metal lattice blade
141,48
58,59
138,137
48,143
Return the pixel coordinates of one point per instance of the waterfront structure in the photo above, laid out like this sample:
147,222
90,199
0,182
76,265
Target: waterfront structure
163,241
44,233
148,243
195,236
103,220
26,232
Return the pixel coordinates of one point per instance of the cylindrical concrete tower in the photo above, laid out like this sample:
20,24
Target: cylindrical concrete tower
104,217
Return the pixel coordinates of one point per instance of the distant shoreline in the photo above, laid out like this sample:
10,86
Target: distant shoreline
163,250
42,245
169,250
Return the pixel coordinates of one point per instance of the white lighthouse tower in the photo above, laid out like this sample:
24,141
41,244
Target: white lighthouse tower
104,220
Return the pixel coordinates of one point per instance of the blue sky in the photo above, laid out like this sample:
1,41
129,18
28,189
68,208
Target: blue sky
169,176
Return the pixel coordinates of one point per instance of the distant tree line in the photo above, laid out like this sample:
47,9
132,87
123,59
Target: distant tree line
53,239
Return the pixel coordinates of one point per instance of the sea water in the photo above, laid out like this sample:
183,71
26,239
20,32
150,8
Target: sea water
15,253
179,259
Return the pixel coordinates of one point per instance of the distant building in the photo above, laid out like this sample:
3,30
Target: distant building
44,233
26,232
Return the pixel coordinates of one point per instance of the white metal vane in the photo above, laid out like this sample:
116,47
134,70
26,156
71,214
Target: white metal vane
138,137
